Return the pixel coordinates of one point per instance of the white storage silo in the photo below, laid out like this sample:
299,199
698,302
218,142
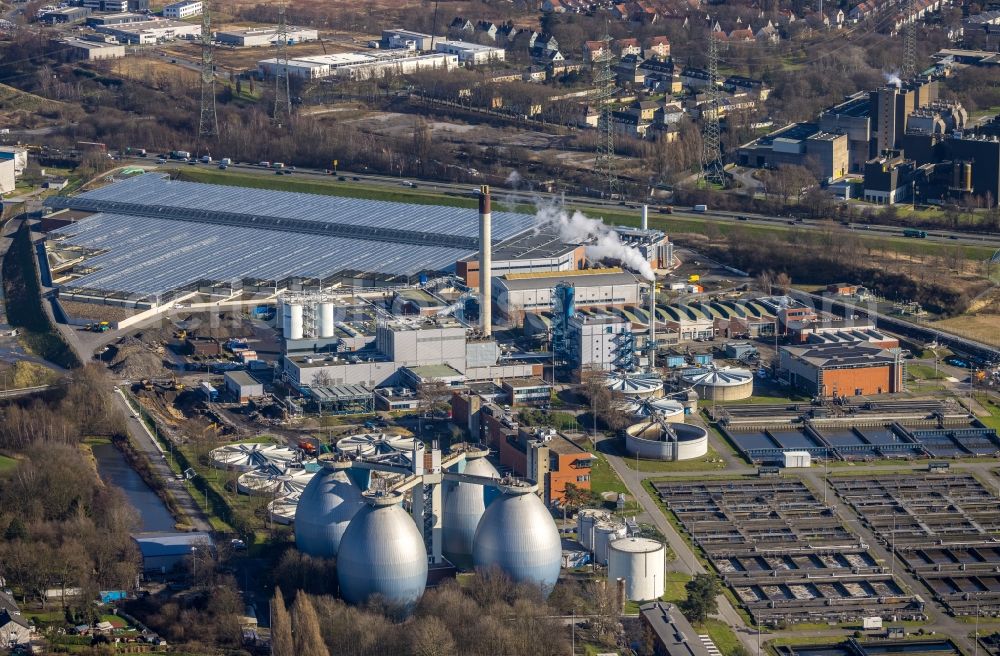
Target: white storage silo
327,328
586,519
641,562
604,534
286,317
294,321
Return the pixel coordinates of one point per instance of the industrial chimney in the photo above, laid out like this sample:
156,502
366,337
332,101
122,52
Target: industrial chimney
485,261
645,217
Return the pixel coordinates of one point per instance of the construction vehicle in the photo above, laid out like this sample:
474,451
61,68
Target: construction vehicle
181,334
146,384
101,327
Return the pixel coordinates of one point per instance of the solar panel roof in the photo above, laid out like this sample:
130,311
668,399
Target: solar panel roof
145,256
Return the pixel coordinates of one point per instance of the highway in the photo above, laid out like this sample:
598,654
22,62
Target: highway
532,197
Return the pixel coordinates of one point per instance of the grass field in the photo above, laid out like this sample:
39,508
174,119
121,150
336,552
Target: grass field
993,421
923,372
981,327
721,634
705,463
7,464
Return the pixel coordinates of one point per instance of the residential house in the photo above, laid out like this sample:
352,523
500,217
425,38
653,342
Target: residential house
671,113
594,51
658,48
787,16
460,24
506,34
628,71
535,73
14,629
553,7
644,109
625,47
741,36
839,18
863,11
768,34
628,124
738,83
663,133
487,28
695,78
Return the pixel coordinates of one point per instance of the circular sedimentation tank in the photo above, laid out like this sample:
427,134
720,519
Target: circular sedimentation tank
668,409
656,440
326,507
637,385
370,445
518,535
641,562
382,554
720,383
272,481
463,507
246,457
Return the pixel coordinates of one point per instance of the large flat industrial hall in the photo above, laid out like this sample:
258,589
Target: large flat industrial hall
152,237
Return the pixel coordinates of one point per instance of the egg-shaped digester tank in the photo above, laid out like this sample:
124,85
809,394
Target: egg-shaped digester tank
382,553
517,534
464,505
326,507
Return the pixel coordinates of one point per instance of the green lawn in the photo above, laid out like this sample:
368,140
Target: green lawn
923,372
603,478
7,464
721,634
673,587
993,420
705,463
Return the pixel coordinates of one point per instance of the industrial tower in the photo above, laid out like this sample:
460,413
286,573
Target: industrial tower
712,169
282,94
604,94
909,66
208,123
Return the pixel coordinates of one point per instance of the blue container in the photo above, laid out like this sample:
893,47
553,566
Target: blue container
703,358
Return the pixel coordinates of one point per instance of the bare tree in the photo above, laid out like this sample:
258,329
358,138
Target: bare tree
281,627
784,282
308,641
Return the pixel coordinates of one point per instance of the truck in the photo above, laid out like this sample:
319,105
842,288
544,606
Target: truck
278,165
225,161
694,277
701,209
180,154
135,152
913,232
210,392
206,159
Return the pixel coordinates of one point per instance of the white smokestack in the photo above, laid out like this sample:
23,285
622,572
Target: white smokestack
652,320
645,217
485,261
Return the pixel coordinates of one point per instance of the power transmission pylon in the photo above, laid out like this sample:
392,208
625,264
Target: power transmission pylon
712,169
604,94
909,67
208,123
282,94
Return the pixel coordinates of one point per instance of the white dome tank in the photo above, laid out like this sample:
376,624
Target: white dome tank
382,553
464,505
640,561
586,519
325,508
604,534
638,385
517,534
668,409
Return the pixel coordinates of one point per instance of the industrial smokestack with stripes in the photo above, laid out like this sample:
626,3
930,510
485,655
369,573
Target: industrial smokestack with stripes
485,261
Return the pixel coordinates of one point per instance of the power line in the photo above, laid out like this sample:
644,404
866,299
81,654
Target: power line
712,169
604,95
282,94
909,67
208,123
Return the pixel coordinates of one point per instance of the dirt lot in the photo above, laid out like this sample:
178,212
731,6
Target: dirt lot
981,323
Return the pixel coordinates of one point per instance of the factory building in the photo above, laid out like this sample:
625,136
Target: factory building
800,144
833,369
526,391
163,552
673,635
471,54
357,65
516,293
151,32
888,178
242,386
256,37
183,9
852,118
17,154
8,176
976,159
123,18
892,106
601,343
544,455
65,15
529,252
88,50
406,40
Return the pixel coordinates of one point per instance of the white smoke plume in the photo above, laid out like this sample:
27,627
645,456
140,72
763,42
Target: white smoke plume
514,179
892,80
603,242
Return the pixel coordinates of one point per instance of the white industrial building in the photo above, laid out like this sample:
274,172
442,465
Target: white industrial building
594,342
151,32
8,177
183,9
357,65
18,154
533,292
471,53
407,40
255,37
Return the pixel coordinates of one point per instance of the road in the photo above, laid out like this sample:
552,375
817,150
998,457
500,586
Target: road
531,197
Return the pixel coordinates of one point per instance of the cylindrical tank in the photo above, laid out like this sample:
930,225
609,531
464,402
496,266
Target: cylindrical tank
666,441
286,318
382,553
327,328
586,519
517,534
294,321
604,534
464,505
640,561
325,508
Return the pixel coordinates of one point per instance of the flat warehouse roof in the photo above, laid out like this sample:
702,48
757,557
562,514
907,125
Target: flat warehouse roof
151,235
